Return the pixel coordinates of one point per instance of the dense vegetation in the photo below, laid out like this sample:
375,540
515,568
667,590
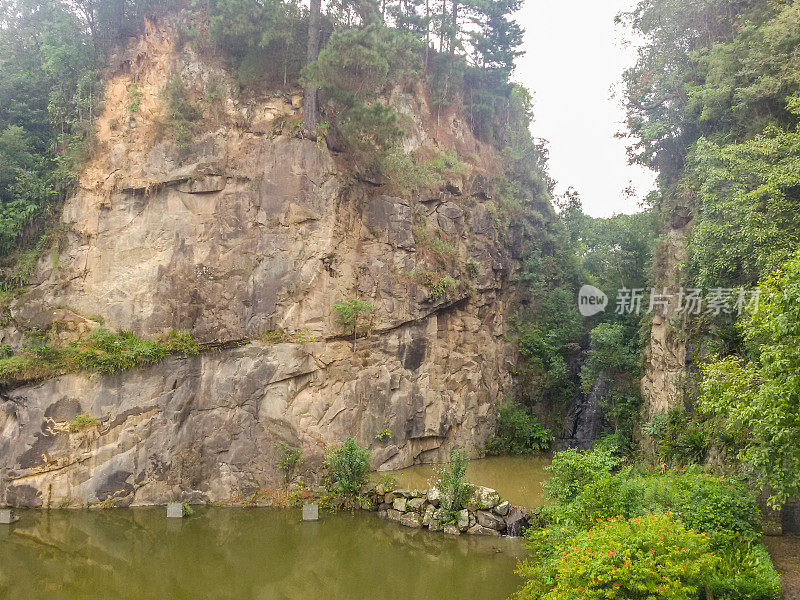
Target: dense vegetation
626,533
713,107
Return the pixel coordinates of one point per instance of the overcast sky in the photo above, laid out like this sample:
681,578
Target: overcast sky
573,56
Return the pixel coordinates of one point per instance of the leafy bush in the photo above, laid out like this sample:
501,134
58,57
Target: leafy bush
517,433
349,466
744,572
289,458
453,485
572,470
644,557
81,422
584,489
182,115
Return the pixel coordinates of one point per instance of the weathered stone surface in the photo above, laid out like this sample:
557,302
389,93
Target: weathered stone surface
490,520
394,515
451,529
427,516
413,520
416,503
478,529
434,495
175,510
7,516
516,522
502,508
462,519
400,504
483,498
242,237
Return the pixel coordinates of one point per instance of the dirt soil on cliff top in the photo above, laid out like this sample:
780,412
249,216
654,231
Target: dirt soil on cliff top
785,552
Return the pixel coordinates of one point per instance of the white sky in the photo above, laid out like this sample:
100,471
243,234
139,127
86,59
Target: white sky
574,54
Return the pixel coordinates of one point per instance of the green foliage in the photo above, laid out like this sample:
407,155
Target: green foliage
679,437
81,422
453,484
182,115
584,490
572,470
517,433
264,41
289,458
750,202
757,397
653,557
349,466
134,97
349,312
383,435
354,69
102,351
180,341
744,572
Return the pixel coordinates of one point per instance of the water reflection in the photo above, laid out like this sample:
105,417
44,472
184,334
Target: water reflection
517,478
244,553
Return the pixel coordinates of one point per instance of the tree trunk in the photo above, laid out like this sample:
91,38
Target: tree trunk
454,26
310,94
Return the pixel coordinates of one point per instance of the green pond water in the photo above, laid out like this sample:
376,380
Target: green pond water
244,554
517,478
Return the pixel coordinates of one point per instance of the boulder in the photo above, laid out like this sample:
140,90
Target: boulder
427,516
462,519
400,504
393,515
502,508
413,520
451,529
480,530
490,520
389,497
404,493
416,504
434,495
516,522
483,498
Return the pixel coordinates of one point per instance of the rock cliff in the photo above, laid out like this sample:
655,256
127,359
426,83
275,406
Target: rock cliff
247,236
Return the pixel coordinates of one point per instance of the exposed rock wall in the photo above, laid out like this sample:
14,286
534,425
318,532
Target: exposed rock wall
665,366
251,232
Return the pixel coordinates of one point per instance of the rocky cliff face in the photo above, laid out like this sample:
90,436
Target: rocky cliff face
247,238
665,367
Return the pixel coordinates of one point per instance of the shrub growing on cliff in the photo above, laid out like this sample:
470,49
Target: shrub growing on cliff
102,351
517,433
289,459
350,311
349,465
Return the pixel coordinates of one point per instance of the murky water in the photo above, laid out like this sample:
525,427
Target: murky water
517,478
244,554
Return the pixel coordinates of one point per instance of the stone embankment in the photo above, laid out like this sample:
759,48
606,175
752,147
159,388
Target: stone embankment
485,513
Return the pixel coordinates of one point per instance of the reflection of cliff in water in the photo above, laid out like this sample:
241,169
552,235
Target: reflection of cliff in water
244,553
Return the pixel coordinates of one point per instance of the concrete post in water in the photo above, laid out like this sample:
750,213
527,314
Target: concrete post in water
7,516
310,512
175,510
